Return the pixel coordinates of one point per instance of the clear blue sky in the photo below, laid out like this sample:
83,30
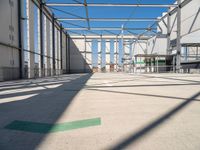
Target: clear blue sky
115,12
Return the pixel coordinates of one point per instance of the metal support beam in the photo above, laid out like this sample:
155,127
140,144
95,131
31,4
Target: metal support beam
85,49
162,19
110,5
20,32
116,52
101,52
53,42
67,53
178,42
110,28
181,5
61,47
123,50
159,27
41,39
168,32
108,19
66,58
87,15
47,13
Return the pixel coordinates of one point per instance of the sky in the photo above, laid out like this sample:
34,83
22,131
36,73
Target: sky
110,12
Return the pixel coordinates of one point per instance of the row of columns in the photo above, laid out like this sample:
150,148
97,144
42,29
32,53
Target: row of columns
104,53
49,42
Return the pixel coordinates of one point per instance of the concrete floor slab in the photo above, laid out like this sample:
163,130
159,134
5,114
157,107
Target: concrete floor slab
142,112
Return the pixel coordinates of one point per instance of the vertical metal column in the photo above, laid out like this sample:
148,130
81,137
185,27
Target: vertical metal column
61,47
157,64
134,59
168,31
178,42
21,35
41,39
101,52
53,43
85,49
69,57
67,63
123,55
28,70
151,65
174,63
130,56
140,65
116,52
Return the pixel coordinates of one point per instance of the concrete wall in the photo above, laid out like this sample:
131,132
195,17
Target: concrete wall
190,24
78,63
190,18
81,52
162,27
190,28
10,55
139,47
9,58
157,45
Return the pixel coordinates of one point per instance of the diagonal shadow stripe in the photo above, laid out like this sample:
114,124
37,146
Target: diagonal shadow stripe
141,94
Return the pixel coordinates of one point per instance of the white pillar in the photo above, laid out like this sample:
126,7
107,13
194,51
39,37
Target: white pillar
107,44
51,50
39,42
48,47
45,44
30,37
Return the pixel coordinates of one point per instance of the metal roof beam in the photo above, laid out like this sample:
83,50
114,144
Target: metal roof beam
87,15
108,19
110,28
110,5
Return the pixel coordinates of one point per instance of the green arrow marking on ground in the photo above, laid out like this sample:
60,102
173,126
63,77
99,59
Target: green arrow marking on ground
49,128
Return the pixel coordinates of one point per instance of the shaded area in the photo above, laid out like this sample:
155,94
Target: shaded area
47,107
78,62
153,125
34,82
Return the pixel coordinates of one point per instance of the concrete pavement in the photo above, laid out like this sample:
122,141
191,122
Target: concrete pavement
142,112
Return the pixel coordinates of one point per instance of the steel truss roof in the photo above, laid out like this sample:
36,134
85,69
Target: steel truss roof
92,30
